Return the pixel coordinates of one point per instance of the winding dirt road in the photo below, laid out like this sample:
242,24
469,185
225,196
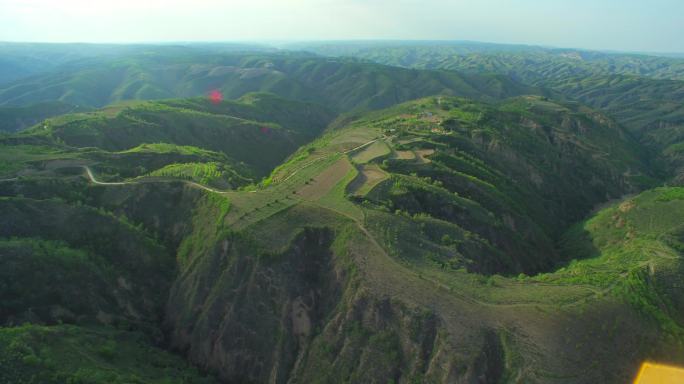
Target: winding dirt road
92,179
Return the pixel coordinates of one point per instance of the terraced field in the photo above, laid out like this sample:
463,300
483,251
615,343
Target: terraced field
424,154
404,155
322,184
319,176
403,266
441,215
369,176
375,150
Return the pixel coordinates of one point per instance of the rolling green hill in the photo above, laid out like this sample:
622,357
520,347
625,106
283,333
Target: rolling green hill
73,264
72,354
351,272
644,93
17,118
371,227
259,130
653,110
524,62
22,60
338,84
515,174
436,240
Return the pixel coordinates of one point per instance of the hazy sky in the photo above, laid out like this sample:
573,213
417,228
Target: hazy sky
637,25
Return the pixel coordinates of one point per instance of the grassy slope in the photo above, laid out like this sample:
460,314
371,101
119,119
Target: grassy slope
17,118
642,92
68,263
72,354
226,128
527,163
170,160
338,84
245,247
539,62
51,248
532,315
226,144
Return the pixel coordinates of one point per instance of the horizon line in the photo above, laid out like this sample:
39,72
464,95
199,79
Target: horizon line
271,42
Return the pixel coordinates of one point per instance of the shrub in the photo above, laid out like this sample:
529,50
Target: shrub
107,350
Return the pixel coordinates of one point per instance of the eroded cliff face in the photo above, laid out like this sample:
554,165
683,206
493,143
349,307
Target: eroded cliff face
248,315
304,315
300,312
379,340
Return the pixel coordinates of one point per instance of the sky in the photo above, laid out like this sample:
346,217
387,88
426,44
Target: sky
626,25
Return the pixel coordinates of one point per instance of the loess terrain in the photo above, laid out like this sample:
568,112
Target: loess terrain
341,221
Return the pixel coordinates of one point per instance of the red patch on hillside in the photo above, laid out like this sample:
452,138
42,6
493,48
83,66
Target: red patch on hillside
215,96
265,130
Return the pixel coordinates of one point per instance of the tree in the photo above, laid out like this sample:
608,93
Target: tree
447,240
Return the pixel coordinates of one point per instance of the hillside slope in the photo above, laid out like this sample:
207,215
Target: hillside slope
310,280
527,63
433,241
363,294
259,130
341,85
515,174
644,93
17,118
82,297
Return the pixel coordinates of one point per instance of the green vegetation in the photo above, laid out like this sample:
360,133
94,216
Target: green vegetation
195,140
88,267
94,355
497,238
225,128
369,176
541,63
182,162
644,93
341,85
636,255
208,226
15,158
210,174
370,152
164,148
48,258
14,119
493,165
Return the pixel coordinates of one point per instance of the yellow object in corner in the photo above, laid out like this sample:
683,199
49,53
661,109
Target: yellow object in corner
651,373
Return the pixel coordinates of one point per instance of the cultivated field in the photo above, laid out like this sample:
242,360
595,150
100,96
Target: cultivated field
423,155
322,183
371,152
404,155
369,176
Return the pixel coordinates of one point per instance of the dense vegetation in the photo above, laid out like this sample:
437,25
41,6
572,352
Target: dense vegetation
358,223
342,85
246,137
18,118
644,93
94,355
522,61
22,60
513,174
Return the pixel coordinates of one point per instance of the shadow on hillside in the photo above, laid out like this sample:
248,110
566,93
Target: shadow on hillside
576,244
